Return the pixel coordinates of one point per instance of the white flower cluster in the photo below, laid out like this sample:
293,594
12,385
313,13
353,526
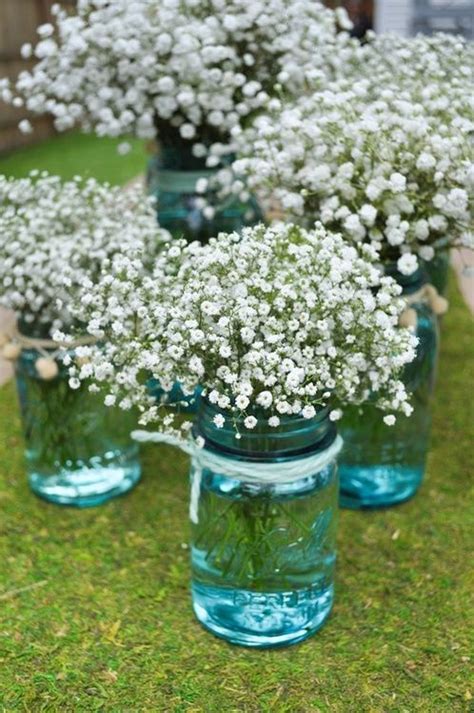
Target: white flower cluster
278,320
385,171
434,71
55,236
121,67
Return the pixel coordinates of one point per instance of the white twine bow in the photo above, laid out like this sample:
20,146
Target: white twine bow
428,294
246,471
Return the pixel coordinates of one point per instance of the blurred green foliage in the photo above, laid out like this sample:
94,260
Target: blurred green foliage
68,155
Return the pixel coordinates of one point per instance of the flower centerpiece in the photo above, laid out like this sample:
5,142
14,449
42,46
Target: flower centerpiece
55,238
182,71
383,172
416,85
435,72
389,174
281,327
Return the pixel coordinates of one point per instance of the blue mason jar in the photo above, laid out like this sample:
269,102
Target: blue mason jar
78,451
437,270
172,176
382,465
264,516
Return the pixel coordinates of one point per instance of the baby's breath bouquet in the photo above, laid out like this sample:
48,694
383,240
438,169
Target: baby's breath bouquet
280,328
56,234
189,69
55,239
179,71
386,172
436,72
281,321
433,72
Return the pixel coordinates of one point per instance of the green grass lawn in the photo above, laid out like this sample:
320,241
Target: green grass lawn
68,155
95,611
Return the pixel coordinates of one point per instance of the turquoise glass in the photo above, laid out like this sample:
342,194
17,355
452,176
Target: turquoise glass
263,553
437,270
172,176
78,451
384,465
176,397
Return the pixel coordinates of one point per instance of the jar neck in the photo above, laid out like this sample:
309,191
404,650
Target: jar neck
35,329
409,283
179,157
295,436
176,153
44,330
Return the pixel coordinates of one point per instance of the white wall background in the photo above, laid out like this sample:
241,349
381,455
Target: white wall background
397,16
393,16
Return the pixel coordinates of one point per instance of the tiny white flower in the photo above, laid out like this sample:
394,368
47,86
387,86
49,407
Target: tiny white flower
422,229
223,402
213,396
242,402
250,422
426,252
187,131
398,182
219,420
124,148
26,51
209,212
265,399
201,185
225,351
25,126
407,264
368,214
426,161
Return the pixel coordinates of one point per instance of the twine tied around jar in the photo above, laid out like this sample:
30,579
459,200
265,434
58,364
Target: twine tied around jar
428,294
13,343
269,473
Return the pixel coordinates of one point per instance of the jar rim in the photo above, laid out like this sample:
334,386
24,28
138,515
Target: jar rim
271,456
295,437
408,283
262,414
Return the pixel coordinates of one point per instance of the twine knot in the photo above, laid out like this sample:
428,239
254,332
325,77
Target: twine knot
47,368
244,470
430,296
13,343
